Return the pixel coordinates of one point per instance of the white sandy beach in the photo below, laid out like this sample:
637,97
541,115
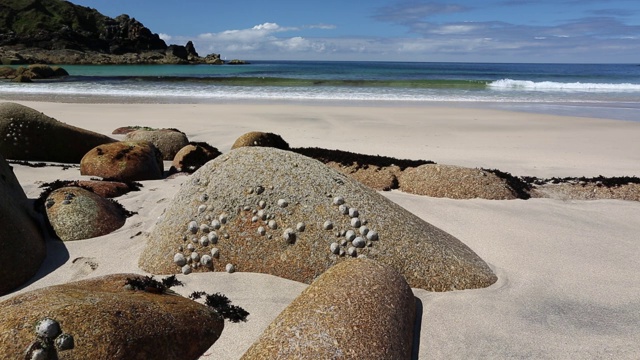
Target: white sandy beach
568,270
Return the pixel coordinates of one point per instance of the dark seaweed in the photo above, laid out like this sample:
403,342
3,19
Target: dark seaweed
149,284
347,158
519,185
222,305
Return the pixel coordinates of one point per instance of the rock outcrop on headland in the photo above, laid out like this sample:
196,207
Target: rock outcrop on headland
56,31
109,321
260,209
22,246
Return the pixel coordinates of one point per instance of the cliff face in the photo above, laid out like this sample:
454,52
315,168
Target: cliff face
56,25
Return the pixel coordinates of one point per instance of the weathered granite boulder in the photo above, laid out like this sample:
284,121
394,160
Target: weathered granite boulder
258,138
454,182
108,321
358,309
28,134
22,246
124,161
40,71
76,214
168,141
272,211
191,157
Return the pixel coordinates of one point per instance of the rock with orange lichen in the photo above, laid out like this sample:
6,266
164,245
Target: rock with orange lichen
124,161
109,321
358,309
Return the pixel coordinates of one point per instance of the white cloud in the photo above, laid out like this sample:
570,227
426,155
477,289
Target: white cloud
165,37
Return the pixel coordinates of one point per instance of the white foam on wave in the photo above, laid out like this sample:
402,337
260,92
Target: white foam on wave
509,84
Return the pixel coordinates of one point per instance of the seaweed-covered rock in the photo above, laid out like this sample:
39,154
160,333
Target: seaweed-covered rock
454,182
22,246
109,321
124,161
168,141
258,138
278,212
358,309
27,134
76,214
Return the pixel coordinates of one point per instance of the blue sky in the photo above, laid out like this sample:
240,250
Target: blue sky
584,31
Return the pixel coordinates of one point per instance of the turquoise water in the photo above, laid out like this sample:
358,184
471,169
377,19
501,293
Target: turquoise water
567,88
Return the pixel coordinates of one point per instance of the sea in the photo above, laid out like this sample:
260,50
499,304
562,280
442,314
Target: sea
593,90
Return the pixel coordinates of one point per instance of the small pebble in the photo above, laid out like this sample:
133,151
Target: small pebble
194,240
353,212
300,227
363,230
215,252
289,236
66,202
186,270
215,224
213,237
344,209
338,200
179,259
204,241
223,218
193,227
225,235
259,190
202,208
355,222
205,228
246,208
254,219
65,342
352,251
328,225
230,268
261,231
343,242
206,260
350,235
372,235
262,204
335,248
48,328
272,224
190,247
261,215
203,197
283,203
359,242
195,256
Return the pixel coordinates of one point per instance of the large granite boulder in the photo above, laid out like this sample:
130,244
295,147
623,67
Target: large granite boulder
108,321
124,161
358,309
22,246
168,141
455,182
191,157
272,211
28,134
76,214
258,138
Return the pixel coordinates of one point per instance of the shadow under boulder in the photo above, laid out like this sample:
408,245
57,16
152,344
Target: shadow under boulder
22,245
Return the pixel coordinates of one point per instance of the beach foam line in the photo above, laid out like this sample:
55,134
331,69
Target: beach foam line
509,84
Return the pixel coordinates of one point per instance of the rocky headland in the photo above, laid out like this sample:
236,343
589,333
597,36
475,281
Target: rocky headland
59,32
